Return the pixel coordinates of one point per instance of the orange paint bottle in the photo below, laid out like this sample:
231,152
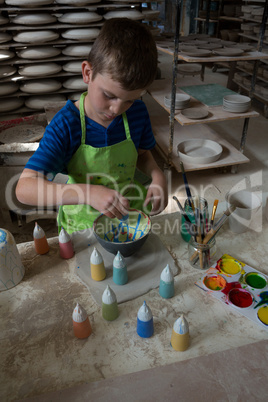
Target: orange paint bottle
81,325
40,240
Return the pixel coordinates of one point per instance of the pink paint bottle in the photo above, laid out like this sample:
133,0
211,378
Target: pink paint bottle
66,245
40,240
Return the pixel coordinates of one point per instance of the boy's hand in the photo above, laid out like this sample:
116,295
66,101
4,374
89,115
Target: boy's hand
157,194
108,202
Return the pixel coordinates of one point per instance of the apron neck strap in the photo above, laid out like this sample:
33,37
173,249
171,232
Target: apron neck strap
82,117
83,121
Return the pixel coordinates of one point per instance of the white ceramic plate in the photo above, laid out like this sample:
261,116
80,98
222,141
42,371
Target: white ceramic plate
81,34
39,102
8,104
228,51
6,71
40,86
34,19
77,50
6,54
8,88
41,52
77,3
75,83
79,18
28,3
22,133
195,113
131,14
73,66
3,20
35,70
36,36
199,151
5,37
237,99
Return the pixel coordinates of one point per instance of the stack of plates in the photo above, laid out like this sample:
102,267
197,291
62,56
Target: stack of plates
181,101
236,103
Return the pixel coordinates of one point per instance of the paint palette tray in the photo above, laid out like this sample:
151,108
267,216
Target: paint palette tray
242,287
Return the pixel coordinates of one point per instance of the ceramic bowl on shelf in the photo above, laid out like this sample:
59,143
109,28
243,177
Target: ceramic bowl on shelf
28,3
79,17
38,52
35,70
9,104
236,103
39,102
6,71
6,54
34,19
81,34
40,86
181,101
76,3
131,14
73,66
7,88
77,50
199,151
76,83
36,36
5,37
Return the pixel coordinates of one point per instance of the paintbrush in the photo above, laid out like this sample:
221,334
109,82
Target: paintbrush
187,188
214,230
213,212
190,227
199,236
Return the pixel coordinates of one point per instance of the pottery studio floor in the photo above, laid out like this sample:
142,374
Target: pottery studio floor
121,369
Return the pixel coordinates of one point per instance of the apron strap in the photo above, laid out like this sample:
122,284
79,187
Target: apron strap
125,121
82,117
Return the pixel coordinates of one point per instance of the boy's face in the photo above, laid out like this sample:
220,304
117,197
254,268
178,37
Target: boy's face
106,99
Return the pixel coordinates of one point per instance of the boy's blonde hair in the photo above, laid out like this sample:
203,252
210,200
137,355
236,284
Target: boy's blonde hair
126,50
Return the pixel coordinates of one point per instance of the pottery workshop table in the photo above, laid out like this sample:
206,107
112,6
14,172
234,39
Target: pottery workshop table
40,354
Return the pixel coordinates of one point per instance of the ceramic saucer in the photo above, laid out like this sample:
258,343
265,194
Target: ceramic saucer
36,36
72,66
81,34
8,104
6,71
8,88
28,3
39,102
35,70
34,19
75,83
41,52
6,54
79,18
77,50
40,86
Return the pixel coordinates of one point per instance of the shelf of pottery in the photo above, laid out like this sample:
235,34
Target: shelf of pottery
43,42
251,26
224,18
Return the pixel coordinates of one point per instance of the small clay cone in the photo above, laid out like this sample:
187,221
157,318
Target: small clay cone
145,325
180,337
40,240
81,325
120,276
166,287
97,268
65,244
109,305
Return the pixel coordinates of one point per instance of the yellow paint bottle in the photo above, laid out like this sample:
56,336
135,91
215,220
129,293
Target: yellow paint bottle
180,337
97,268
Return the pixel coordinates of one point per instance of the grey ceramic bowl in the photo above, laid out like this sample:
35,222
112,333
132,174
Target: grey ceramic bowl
127,237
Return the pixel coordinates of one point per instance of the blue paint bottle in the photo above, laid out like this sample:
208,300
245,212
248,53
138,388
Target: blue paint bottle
166,287
145,325
120,276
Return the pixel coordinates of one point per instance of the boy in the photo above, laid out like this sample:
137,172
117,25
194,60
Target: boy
101,138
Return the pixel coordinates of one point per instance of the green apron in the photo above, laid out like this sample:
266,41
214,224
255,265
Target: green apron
112,166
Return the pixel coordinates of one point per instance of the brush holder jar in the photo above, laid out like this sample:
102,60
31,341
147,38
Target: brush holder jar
189,212
202,256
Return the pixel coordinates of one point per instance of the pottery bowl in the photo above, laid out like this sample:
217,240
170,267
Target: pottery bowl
125,236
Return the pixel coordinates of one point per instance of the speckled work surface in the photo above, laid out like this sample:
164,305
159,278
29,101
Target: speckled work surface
40,354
